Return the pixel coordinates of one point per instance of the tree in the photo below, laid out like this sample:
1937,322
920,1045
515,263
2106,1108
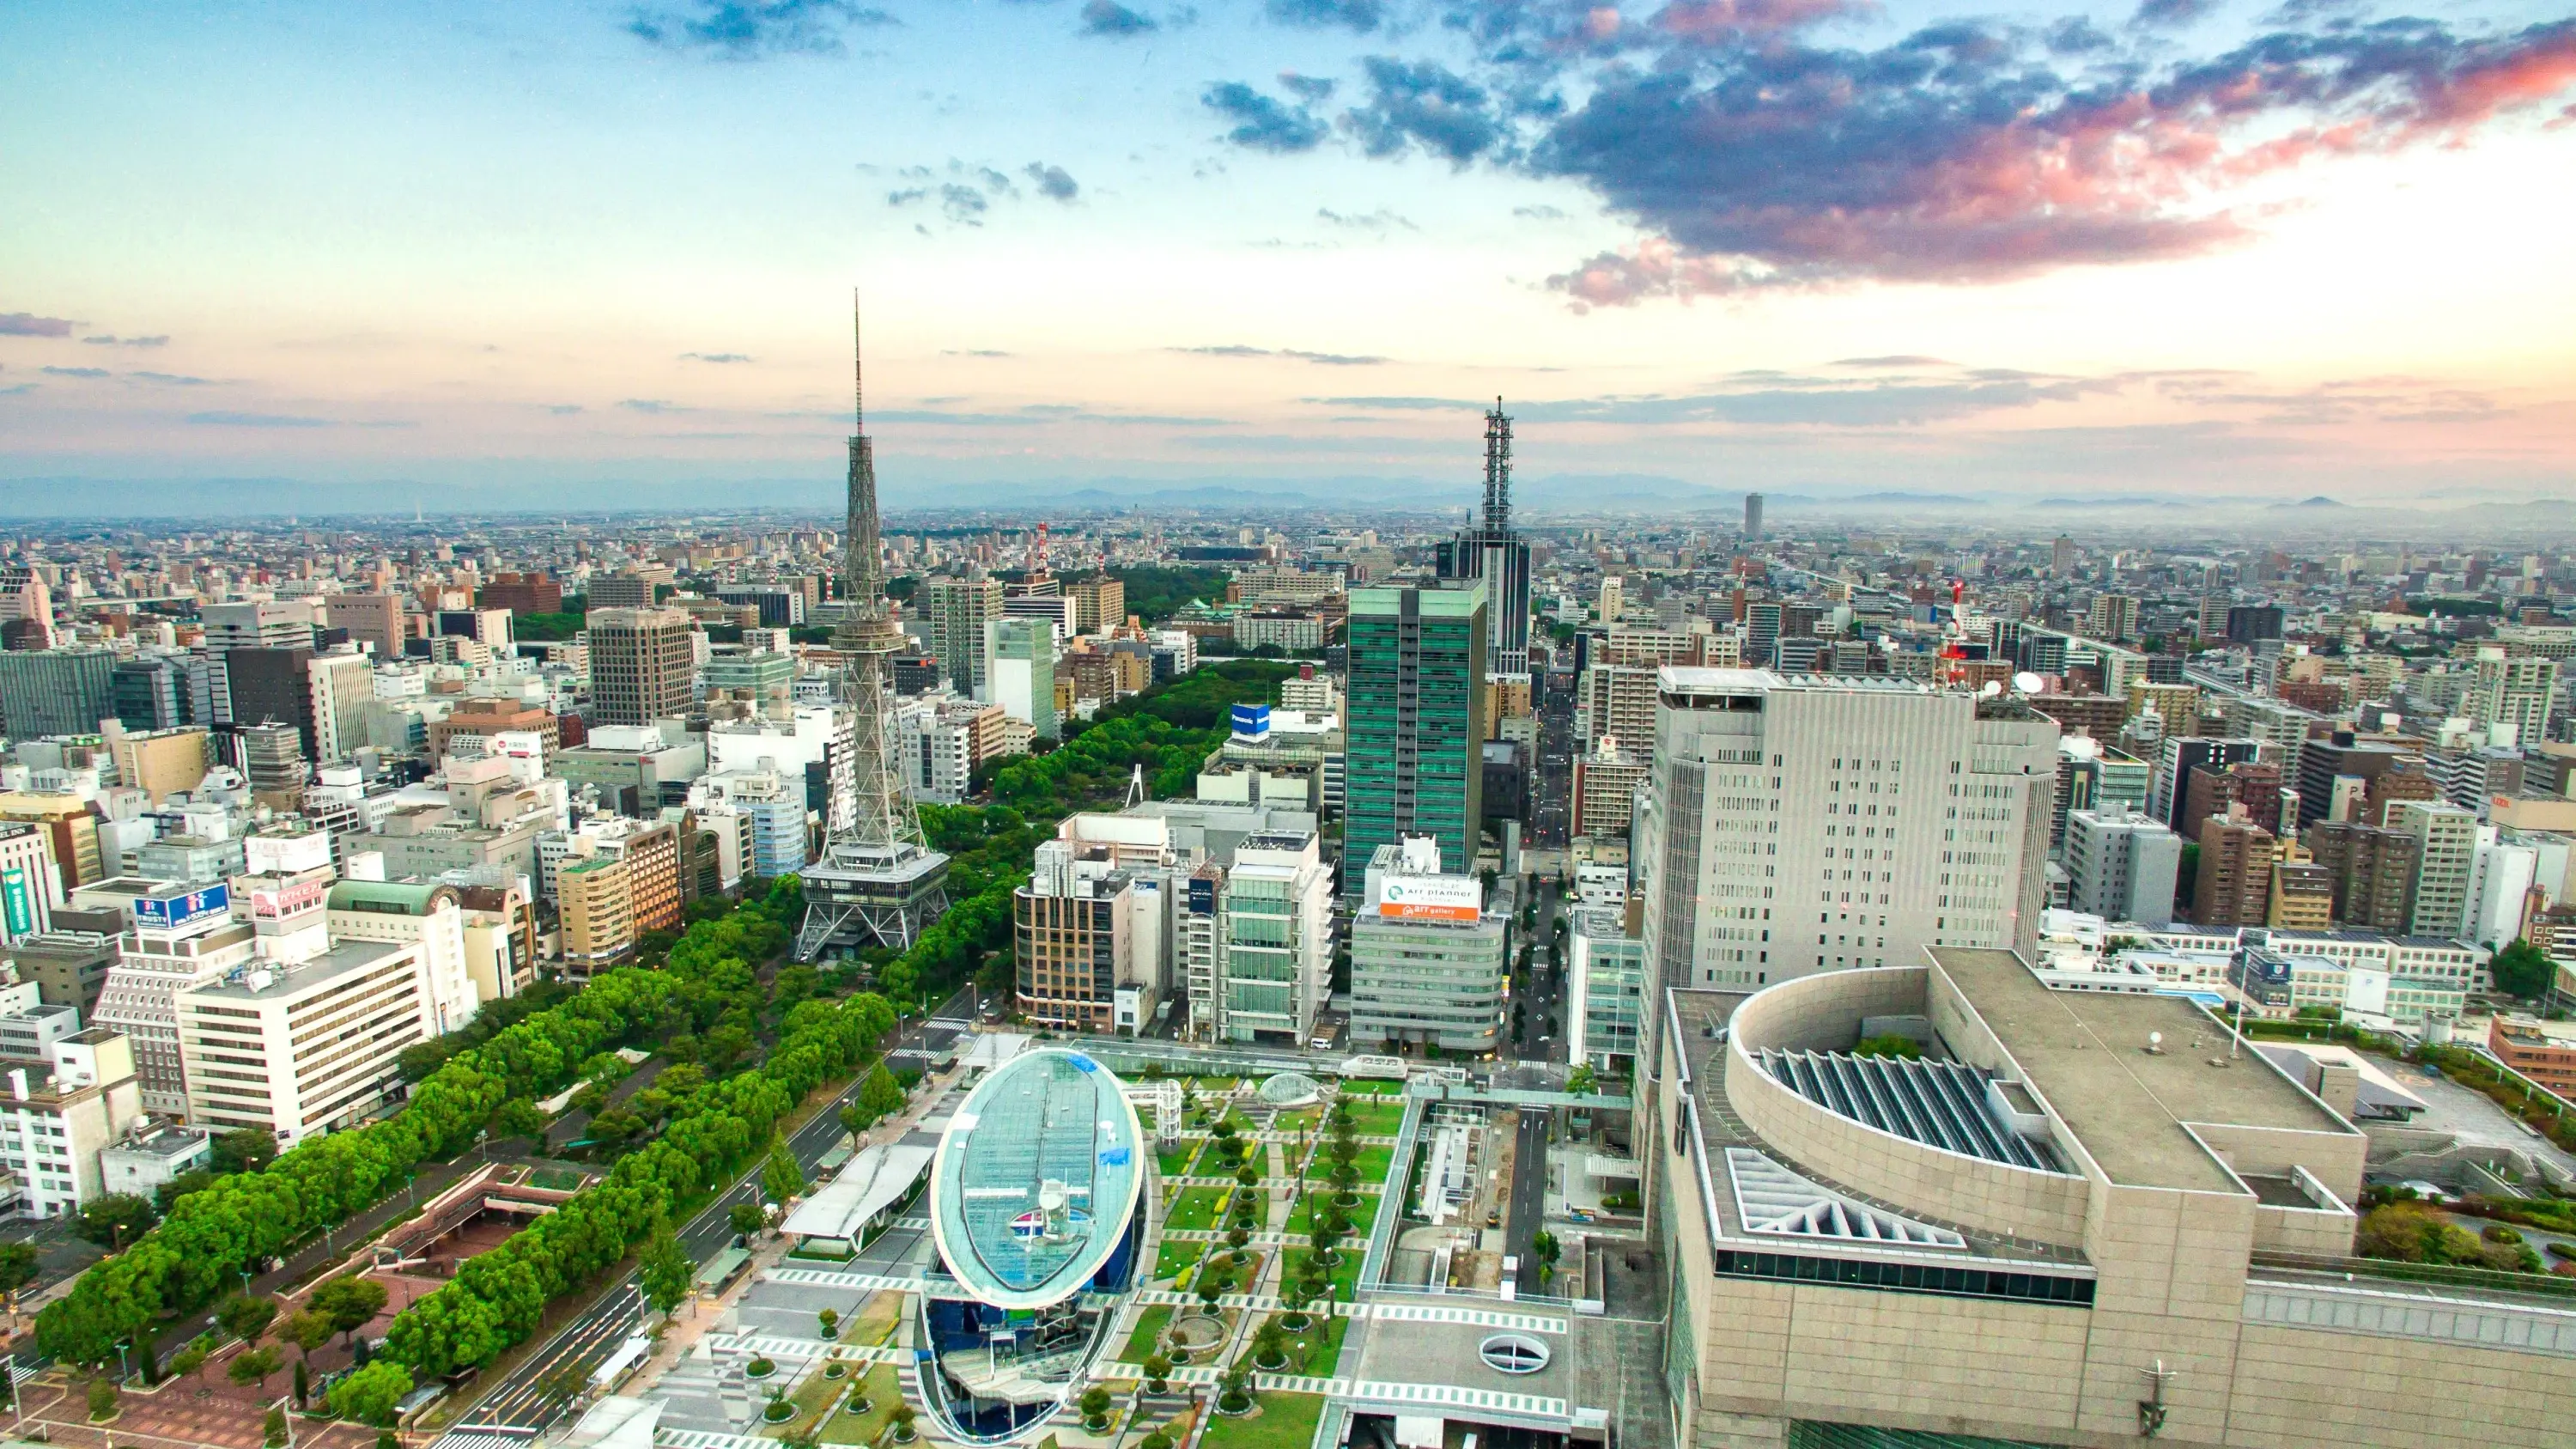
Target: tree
349,1304
102,1398
829,1320
1246,1176
115,1220
746,1218
881,1093
273,1428
371,1394
2523,969
1270,1345
253,1367
307,1330
1158,1373
903,1416
780,1177
856,1119
1581,1080
247,1318
190,1359
303,1383
1095,1407
17,1270
245,1149
666,1269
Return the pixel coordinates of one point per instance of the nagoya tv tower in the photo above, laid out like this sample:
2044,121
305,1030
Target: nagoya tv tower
878,880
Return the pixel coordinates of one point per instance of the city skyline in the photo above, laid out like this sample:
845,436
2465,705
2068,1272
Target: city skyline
1817,248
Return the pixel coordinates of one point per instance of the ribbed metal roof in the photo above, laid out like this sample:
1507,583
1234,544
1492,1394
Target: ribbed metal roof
1937,1103
1036,1177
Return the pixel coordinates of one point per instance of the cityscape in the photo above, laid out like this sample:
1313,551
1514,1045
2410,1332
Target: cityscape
1198,832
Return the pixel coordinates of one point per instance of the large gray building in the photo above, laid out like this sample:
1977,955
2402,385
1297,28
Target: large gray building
1428,954
56,691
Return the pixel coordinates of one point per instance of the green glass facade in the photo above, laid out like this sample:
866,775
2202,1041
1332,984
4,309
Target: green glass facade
1415,724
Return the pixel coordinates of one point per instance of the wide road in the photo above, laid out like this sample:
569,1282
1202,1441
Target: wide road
1529,1196
547,1381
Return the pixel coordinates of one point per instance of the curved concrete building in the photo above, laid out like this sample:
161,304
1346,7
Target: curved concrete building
1035,1200
1944,1204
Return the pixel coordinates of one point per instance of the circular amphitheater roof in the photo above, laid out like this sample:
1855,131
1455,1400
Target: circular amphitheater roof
1291,1089
1035,1179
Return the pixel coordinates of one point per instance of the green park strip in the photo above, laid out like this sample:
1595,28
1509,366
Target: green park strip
1285,1421
1195,1210
1173,1258
1372,1164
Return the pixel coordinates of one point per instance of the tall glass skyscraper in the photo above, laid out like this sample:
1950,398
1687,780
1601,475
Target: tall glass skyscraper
1415,725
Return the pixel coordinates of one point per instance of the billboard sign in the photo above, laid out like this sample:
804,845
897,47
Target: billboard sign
1252,721
17,901
1431,898
177,913
286,900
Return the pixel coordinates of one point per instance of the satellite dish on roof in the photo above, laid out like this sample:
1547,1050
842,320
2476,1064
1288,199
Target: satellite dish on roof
1990,689
2028,683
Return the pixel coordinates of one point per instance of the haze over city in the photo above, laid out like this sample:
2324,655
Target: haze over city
490,257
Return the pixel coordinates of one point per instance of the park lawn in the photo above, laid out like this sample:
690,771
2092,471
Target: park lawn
1148,1334
1346,1273
876,1321
1286,1421
1176,1256
1372,1163
1209,1164
1204,1086
1175,1161
1302,1221
1372,1088
1315,1351
1377,1119
885,1390
1195,1210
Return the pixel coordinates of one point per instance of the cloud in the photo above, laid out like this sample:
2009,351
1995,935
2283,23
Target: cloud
1039,415
972,352
1307,87
963,205
256,420
1961,154
1783,402
1358,16
1052,182
563,410
1424,104
652,405
1381,220
28,324
2171,13
1109,18
77,371
1320,359
171,379
714,357
1399,404
1894,359
162,340
1538,213
18,388
1263,123
755,29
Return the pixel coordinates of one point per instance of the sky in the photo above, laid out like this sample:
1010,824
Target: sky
478,250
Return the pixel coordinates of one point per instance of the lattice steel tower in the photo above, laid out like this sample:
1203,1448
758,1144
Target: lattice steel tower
878,879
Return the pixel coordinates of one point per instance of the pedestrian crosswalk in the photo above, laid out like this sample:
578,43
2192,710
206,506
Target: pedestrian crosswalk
705,1439
1444,1313
841,1278
1379,1391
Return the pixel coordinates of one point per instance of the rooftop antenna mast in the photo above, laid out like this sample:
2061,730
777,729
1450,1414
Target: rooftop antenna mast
1498,470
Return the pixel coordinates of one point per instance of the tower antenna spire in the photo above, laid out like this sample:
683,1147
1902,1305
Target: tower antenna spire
858,370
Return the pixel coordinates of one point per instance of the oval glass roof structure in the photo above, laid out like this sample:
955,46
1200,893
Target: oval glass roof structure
1036,1178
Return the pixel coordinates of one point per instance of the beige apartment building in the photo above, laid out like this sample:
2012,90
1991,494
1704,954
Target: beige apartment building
303,1051
2075,1219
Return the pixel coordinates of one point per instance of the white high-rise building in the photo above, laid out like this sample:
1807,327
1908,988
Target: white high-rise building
2120,865
1275,938
1815,824
2446,848
2500,879
2513,690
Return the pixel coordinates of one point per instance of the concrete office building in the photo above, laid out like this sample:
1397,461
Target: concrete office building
2101,1241
60,1112
30,887
160,763
1415,731
1091,936
1019,672
1100,603
1429,954
954,611
1273,938
56,691
634,769
1897,815
2446,852
1609,987
643,665
2121,865
372,620
307,1048
70,829
427,915
2233,886
2513,691
816,742
179,937
151,692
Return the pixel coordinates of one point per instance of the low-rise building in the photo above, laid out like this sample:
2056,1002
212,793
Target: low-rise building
151,1154
2544,1051
306,1049
58,1114
1607,983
